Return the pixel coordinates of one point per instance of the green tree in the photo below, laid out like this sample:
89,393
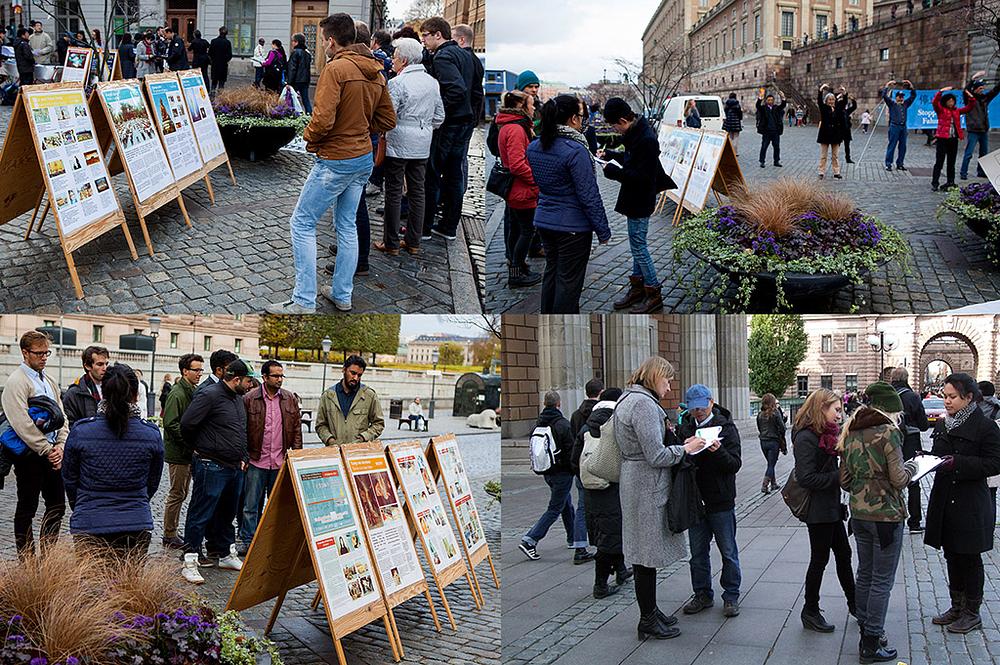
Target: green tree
450,353
777,345
484,352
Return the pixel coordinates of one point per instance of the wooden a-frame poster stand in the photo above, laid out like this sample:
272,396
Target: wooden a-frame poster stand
446,461
311,509
387,531
77,65
51,144
427,519
704,161
206,127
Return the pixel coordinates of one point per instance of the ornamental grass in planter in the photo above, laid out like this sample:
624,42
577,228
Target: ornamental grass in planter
978,207
793,234
256,123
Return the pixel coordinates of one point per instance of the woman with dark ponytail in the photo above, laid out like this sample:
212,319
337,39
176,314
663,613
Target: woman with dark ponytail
570,209
111,469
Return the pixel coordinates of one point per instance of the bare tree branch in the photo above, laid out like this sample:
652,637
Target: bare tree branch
658,77
983,17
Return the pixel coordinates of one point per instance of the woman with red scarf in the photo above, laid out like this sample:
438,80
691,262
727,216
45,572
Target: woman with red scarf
817,469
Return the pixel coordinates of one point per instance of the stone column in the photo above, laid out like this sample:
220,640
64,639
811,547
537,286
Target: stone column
564,360
699,363
627,342
734,375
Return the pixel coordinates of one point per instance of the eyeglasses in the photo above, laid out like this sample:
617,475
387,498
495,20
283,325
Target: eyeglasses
276,376
195,371
41,354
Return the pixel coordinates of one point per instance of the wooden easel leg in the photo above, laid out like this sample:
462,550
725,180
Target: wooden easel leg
430,602
45,212
232,176
395,630
390,633
145,233
341,658
315,603
478,591
208,186
447,608
34,214
284,589
128,239
496,580
472,588
72,274
180,202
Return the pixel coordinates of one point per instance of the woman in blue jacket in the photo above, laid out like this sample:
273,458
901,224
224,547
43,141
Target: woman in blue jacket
570,209
111,468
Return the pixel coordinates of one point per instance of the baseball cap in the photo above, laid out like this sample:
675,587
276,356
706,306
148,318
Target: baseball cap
697,396
239,368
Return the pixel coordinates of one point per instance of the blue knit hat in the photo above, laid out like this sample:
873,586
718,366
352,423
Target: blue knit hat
526,78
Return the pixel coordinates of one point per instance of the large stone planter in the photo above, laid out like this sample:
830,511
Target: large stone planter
255,143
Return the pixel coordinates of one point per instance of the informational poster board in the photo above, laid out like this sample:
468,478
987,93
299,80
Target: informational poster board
170,117
312,510
991,166
385,526
112,67
138,146
199,104
427,517
446,459
77,65
699,161
703,170
64,163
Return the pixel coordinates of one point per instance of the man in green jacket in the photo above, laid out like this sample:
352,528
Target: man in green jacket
177,454
350,411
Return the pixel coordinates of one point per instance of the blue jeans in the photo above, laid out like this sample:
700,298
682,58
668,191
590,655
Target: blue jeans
560,505
303,89
214,495
897,136
771,450
339,183
642,262
722,526
877,562
257,485
983,139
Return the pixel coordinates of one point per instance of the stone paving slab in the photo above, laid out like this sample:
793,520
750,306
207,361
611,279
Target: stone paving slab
549,615
948,266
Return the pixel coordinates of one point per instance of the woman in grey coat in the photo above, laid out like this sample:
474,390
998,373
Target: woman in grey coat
648,450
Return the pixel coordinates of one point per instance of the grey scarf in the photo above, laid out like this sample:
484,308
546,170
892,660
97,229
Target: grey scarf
133,409
951,422
568,132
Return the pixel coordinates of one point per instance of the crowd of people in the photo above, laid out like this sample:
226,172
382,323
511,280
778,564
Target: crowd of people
867,454
223,441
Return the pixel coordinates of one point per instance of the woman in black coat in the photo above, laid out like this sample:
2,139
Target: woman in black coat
733,124
817,469
831,129
960,514
850,106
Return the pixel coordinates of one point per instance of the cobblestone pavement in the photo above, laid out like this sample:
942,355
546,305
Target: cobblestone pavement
948,267
549,615
237,257
302,634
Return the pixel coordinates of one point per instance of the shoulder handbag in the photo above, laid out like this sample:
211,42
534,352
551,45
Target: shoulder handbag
605,461
589,480
380,150
501,180
796,497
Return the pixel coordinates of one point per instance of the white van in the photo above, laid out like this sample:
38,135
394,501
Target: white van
709,108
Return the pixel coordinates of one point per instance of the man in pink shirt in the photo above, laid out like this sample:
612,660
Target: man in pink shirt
274,424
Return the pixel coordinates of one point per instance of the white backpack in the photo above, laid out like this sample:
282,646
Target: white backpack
543,449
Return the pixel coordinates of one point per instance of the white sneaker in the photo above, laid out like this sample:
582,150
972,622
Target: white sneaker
190,569
231,562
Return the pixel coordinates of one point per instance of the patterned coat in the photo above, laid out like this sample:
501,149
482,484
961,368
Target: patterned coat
871,469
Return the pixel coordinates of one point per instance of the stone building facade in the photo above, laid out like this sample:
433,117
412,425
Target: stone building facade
667,30
470,12
563,352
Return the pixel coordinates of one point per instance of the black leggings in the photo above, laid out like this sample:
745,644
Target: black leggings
965,573
824,538
522,227
947,149
605,564
645,589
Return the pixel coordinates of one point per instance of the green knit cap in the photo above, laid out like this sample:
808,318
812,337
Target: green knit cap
526,78
883,396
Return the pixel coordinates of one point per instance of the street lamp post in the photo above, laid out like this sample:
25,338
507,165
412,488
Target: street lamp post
880,343
327,343
154,332
435,355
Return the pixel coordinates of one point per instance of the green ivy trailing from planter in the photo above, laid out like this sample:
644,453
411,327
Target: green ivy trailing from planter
978,202
702,234
240,649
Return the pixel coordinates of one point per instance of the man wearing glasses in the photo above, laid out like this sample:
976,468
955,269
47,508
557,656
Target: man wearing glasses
38,469
274,424
178,455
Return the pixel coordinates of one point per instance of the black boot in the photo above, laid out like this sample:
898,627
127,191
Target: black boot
603,590
871,651
952,614
665,620
531,277
812,619
623,575
970,619
650,626
634,294
652,301
519,276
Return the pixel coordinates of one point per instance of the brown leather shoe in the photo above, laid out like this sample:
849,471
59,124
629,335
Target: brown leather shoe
634,294
410,250
953,613
381,247
652,302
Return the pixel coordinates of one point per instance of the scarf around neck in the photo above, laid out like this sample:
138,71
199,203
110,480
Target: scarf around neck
568,132
951,422
828,439
133,409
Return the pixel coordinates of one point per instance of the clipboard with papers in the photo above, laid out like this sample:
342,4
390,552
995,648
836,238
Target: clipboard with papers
926,464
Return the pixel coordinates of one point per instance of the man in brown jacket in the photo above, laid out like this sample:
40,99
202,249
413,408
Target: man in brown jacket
351,103
274,424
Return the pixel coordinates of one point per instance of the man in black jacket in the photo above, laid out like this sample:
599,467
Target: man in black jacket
300,69
716,478
24,57
579,418
199,55
464,37
914,422
80,399
176,55
639,171
559,478
215,427
977,121
770,126
455,71
220,52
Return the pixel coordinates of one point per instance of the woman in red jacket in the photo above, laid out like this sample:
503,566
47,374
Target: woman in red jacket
515,122
949,133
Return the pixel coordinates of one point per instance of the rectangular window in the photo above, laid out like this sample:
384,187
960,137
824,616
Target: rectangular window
756,26
98,335
733,41
724,49
238,346
802,385
207,346
67,16
809,67
743,33
241,18
883,55
852,343
851,383
174,338
839,63
820,26
826,381
787,24
826,343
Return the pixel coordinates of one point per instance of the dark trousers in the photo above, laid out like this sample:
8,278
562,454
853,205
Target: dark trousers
413,170
363,223
35,476
566,256
771,450
847,149
444,183
645,589
522,227
218,83
946,149
27,78
115,545
303,89
606,563
204,73
214,497
965,572
913,507
258,75
824,538
879,547
770,138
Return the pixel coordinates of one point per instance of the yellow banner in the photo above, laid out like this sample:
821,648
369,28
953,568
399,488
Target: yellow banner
46,100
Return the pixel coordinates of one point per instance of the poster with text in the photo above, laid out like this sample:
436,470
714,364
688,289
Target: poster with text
460,491
686,151
76,67
425,505
338,545
109,65
388,533
206,128
703,169
167,102
671,144
141,148
71,157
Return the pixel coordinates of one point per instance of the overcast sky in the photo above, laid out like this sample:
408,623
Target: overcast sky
570,42
411,325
